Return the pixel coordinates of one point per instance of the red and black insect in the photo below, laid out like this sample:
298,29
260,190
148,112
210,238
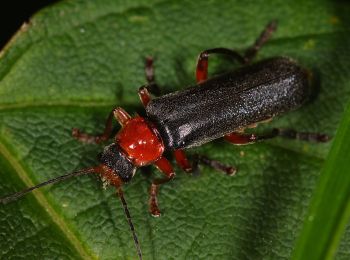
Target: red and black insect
222,106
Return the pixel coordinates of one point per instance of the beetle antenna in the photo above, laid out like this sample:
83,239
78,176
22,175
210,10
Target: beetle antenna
17,195
131,225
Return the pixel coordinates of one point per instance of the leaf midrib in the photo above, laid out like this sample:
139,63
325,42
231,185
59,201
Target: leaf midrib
99,104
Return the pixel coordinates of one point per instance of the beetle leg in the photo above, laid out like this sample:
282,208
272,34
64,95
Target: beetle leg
120,114
165,167
304,136
150,77
184,163
202,62
242,139
182,160
250,53
217,165
151,87
149,70
144,95
266,34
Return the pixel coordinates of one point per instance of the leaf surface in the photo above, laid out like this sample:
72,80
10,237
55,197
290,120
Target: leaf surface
76,60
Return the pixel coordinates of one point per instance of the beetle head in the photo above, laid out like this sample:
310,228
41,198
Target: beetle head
114,158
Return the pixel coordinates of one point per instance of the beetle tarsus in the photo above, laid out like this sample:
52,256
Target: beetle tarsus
304,136
243,138
217,165
89,139
152,86
266,34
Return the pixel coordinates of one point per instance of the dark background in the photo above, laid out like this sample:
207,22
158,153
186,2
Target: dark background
14,13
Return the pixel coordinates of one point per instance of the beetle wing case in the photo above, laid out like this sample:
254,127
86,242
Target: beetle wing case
218,106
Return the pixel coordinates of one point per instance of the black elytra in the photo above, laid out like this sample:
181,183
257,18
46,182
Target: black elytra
218,106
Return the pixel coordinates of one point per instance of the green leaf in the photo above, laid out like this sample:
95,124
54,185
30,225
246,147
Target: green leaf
330,209
76,60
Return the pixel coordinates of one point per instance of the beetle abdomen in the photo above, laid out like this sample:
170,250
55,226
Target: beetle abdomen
218,106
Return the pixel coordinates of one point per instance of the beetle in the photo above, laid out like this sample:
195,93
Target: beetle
222,106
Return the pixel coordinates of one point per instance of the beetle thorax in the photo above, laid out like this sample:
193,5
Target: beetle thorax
140,141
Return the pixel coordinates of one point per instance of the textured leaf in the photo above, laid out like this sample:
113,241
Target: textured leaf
329,211
76,60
